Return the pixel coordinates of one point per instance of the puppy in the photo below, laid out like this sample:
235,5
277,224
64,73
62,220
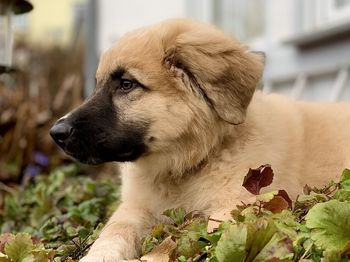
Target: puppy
175,104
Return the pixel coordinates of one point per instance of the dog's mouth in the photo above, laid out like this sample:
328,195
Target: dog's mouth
127,154
94,154
86,160
96,160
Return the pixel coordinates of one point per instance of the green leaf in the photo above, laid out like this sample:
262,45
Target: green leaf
83,232
343,194
20,248
265,197
345,179
96,232
157,230
330,224
279,246
41,254
12,208
259,234
177,215
181,259
249,214
148,244
188,244
231,246
287,224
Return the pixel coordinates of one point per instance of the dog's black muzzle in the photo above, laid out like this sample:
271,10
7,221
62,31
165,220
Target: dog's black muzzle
94,134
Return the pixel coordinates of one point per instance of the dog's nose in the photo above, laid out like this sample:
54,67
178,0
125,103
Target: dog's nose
61,131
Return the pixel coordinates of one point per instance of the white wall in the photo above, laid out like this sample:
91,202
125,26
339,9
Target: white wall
116,17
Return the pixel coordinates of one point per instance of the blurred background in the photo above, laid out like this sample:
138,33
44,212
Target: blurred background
56,46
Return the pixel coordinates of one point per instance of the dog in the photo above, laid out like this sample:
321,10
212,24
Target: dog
176,104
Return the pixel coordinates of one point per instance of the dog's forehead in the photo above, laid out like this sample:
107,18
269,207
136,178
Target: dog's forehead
138,50
144,47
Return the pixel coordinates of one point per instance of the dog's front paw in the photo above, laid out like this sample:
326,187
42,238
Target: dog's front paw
110,250
101,257
105,258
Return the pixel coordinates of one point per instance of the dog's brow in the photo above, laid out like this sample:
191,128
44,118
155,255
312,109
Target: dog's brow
118,73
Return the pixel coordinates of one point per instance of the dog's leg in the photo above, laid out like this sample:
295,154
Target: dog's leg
120,239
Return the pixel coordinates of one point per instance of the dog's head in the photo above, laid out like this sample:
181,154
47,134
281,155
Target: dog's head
159,88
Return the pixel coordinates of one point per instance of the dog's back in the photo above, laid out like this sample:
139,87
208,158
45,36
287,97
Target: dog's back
326,139
313,138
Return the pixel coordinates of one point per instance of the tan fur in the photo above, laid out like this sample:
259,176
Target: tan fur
201,148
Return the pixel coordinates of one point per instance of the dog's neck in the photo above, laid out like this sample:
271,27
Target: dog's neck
185,160
174,168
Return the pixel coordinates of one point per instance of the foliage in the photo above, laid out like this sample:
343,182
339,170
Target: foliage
316,227
57,218
57,215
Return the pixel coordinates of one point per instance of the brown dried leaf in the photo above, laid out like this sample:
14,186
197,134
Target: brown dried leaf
258,178
36,240
307,190
276,204
283,193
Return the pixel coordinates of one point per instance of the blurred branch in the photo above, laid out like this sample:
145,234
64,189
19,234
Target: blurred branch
49,84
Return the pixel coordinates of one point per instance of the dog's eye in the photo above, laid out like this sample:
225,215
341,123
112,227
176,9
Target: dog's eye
126,85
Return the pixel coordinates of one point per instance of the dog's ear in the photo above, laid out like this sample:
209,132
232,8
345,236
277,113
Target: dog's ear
224,71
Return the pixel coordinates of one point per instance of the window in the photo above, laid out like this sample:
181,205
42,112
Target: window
338,10
324,13
245,19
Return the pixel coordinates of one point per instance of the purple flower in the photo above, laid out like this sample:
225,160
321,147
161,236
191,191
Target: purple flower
31,170
41,159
